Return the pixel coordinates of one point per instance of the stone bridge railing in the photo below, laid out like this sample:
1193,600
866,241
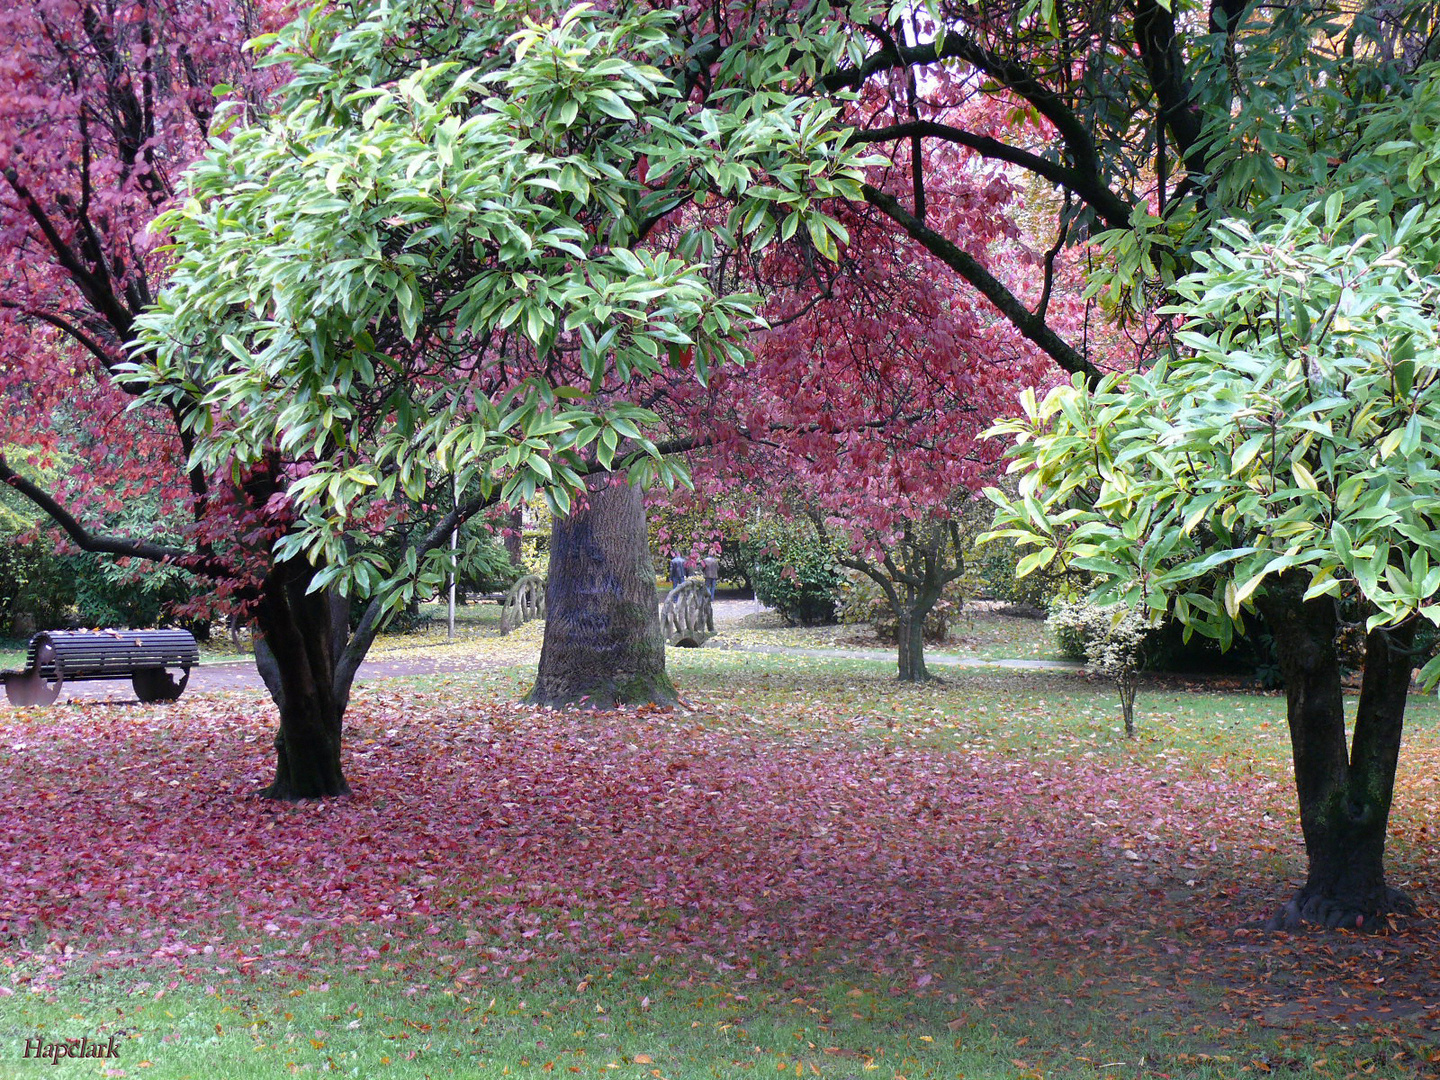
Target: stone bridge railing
687,618
524,601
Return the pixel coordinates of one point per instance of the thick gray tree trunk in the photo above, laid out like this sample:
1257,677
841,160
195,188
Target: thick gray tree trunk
603,645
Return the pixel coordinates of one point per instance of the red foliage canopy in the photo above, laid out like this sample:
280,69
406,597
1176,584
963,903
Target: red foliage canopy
102,105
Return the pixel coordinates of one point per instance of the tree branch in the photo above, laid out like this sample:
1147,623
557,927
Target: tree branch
1015,77
65,326
85,540
102,298
967,266
1114,210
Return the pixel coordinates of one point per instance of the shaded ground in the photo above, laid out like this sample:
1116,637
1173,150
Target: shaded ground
1115,887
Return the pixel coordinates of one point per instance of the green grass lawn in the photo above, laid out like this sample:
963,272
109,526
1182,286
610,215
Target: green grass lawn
807,870
12,653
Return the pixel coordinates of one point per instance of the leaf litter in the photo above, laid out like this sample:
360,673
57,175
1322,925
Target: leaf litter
512,839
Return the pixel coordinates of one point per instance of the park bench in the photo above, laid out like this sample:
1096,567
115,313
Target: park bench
55,657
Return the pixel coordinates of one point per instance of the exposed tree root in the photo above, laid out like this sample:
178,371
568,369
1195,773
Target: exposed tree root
1333,912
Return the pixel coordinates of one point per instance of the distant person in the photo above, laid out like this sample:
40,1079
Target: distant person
677,571
710,566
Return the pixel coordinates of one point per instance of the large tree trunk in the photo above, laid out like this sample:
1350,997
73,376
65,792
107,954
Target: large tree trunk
602,643
299,650
1344,792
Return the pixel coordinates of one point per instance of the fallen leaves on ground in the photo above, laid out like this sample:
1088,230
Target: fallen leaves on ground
514,836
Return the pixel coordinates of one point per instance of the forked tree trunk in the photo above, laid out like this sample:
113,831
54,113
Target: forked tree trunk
911,614
299,650
1344,792
602,644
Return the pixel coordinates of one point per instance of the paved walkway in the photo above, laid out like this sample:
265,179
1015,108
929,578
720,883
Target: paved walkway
932,659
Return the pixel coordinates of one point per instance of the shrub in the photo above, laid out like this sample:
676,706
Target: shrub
35,585
116,592
795,573
1112,641
862,601
992,572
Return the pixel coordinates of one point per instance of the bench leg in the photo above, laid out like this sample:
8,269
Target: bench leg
157,684
30,688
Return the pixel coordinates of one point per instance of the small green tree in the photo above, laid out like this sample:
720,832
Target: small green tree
1295,447
1286,457
1110,639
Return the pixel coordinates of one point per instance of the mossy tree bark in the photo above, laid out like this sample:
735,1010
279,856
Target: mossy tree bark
1344,791
603,645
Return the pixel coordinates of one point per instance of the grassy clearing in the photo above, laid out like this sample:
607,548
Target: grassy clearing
12,652
979,633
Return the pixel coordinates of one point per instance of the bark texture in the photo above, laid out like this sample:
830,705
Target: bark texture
1344,791
910,634
602,645
299,652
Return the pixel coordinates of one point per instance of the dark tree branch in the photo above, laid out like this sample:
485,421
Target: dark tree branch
1114,210
65,326
1035,328
1061,234
85,540
1012,75
1164,63
96,293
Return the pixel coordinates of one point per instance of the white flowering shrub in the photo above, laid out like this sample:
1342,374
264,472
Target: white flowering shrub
1110,640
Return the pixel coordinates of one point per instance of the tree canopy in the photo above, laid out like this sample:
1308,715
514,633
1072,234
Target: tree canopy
424,264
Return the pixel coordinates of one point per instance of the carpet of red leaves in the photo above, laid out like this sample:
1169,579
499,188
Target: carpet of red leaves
529,835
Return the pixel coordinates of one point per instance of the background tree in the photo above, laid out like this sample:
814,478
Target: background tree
1147,121
103,104
862,408
1283,461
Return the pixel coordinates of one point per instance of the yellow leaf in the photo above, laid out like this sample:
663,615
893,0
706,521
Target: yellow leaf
643,1059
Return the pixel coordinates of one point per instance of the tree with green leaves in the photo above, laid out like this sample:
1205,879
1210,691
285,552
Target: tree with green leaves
424,278
1285,461
1136,125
